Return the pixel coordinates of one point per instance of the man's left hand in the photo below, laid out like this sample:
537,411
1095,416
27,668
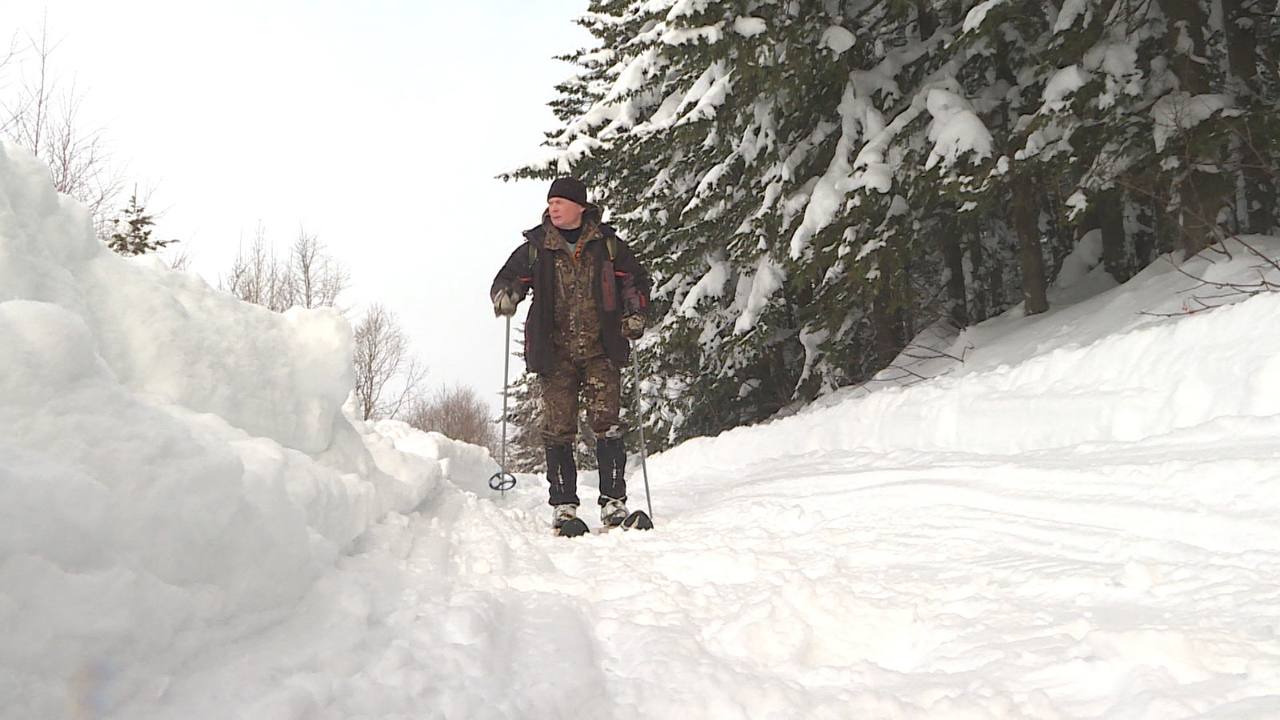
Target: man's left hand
633,326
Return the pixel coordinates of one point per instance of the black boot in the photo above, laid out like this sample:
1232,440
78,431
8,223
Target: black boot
611,456
562,474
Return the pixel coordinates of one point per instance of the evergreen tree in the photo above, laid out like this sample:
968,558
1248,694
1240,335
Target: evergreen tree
814,184
131,231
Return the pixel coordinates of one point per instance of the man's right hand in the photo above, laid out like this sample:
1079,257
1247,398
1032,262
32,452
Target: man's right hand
504,303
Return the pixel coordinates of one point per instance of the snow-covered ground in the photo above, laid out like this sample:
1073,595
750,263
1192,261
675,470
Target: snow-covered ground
1082,520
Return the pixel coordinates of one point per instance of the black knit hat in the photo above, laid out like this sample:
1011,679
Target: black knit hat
569,189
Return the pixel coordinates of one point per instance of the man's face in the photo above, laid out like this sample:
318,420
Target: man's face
565,214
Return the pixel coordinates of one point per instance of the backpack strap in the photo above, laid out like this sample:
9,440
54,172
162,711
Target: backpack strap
533,256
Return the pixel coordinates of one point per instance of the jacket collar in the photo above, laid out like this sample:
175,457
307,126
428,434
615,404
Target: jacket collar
553,240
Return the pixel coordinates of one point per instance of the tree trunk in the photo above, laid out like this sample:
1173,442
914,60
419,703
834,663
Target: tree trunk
1025,215
1187,14
926,19
886,319
1257,207
1201,194
1109,214
953,256
1242,38
986,270
977,263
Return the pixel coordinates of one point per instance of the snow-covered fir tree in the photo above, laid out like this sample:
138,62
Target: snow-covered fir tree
815,183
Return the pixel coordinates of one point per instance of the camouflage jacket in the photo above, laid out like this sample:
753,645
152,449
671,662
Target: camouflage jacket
579,295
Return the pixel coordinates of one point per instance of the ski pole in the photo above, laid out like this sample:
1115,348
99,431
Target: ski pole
644,467
502,480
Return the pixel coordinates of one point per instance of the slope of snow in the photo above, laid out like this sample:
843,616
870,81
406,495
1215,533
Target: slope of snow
176,468
1079,521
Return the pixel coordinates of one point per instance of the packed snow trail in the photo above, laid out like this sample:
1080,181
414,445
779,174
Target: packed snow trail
1116,579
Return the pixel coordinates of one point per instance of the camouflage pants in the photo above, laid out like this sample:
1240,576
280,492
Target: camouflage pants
599,384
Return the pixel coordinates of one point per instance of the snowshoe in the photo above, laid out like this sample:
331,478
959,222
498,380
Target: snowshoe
572,528
638,520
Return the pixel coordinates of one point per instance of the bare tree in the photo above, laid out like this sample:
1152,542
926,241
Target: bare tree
457,412
44,119
316,278
383,362
6,56
180,260
308,277
258,277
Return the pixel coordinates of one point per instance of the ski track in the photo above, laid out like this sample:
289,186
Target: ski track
1082,582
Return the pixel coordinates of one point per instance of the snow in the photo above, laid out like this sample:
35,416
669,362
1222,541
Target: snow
767,280
710,285
747,26
973,20
178,467
1070,12
956,129
680,36
876,175
680,8
1178,112
706,94
812,342
669,111
1085,256
1078,202
837,39
873,167
714,96
829,192
1119,61
631,77
1064,83
1077,521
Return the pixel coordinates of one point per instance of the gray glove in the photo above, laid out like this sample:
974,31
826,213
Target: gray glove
633,326
504,303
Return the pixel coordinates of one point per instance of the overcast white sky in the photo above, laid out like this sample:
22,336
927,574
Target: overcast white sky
377,125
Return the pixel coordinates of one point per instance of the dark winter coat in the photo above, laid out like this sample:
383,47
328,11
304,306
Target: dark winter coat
533,266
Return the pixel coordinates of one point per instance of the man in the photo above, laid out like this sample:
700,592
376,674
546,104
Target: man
590,297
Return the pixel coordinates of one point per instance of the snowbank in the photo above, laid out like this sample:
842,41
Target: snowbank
176,467
1170,369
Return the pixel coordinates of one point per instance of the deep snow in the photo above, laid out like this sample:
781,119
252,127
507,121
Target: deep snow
1081,520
